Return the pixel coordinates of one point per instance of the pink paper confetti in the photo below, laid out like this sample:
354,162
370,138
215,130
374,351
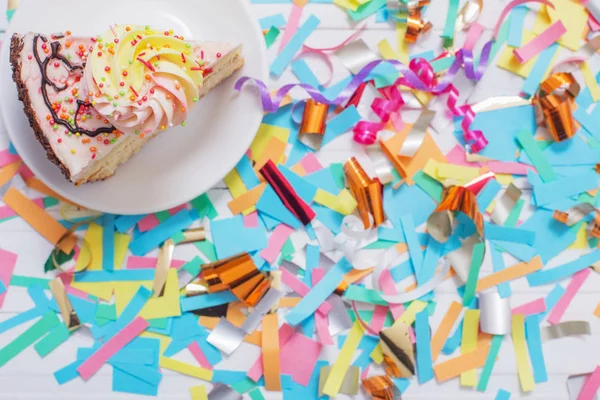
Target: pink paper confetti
512,168
292,25
25,172
299,287
7,212
251,220
141,262
8,261
148,222
591,386
378,319
285,334
199,355
90,366
388,286
561,306
310,163
298,358
321,320
7,158
540,42
533,307
278,238
472,36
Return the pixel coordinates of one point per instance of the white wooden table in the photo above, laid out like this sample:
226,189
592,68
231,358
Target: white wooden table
29,377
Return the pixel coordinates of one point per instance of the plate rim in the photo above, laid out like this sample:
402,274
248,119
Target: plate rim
114,209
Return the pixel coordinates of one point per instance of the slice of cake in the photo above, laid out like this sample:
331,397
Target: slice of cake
94,102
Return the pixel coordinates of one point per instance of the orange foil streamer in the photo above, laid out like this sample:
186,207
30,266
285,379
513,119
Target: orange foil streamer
577,213
415,25
238,274
554,105
313,123
381,388
367,192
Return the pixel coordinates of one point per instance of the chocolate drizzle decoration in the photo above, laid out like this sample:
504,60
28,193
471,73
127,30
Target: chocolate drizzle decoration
43,65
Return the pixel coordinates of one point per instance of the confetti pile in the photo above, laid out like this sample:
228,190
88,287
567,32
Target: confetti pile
333,269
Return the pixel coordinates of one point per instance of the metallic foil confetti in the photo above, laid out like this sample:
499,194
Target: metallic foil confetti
367,192
339,320
498,103
495,315
286,193
165,257
226,336
415,138
382,166
238,274
349,384
381,388
223,392
577,213
59,292
313,124
415,24
505,204
356,55
555,104
564,329
398,351
468,14
441,224
575,384
252,321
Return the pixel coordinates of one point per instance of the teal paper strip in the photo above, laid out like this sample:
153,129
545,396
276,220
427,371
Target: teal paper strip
52,340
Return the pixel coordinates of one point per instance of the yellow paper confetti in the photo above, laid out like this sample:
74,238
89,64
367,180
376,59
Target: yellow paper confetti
234,182
590,81
186,369
343,203
340,367
523,366
469,344
573,16
198,392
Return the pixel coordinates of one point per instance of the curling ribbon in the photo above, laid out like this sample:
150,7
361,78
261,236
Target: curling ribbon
381,388
367,192
554,105
577,213
286,193
239,275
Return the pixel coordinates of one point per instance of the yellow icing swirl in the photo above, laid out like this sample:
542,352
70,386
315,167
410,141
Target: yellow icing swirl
142,80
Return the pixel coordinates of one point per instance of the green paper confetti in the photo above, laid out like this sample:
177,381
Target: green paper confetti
271,36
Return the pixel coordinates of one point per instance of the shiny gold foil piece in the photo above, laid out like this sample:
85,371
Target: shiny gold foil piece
505,204
163,263
381,388
415,24
165,257
350,384
238,274
555,102
442,222
367,192
59,292
468,14
313,123
67,236
577,213
398,351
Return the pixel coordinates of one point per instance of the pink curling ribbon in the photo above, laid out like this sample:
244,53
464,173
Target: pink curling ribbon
365,132
368,133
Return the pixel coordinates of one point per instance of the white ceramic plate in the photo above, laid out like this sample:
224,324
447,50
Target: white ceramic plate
177,165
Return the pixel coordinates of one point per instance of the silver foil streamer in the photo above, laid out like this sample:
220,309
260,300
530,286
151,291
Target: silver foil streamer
350,383
461,258
499,102
564,329
578,212
381,165
226,336
505,204
415,138
184,278
264,305
223,392
339,320
495,313
356,55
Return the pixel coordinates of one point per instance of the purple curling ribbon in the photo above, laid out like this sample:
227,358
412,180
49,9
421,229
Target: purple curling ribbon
419,77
